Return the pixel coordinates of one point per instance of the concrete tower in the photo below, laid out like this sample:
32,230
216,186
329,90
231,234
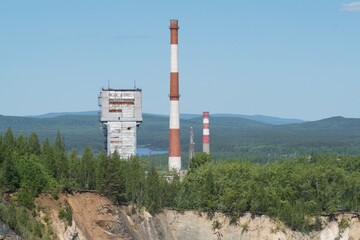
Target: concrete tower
120,116
174,135
206,133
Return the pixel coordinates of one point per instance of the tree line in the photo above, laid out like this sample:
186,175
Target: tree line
294,191
28,168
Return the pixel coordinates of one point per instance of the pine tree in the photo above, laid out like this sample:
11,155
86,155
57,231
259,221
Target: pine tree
9,139
153,191
88,169
34,145
113,185
135,180
72,175
61,166
22,145
9,177
101,170
47,157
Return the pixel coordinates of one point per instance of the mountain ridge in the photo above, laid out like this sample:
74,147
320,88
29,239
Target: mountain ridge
231,137
258,117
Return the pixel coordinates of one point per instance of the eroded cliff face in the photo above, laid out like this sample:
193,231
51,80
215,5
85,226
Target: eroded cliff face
94,217
6,233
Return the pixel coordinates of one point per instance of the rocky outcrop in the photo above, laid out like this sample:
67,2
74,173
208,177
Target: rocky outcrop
190,225
6,233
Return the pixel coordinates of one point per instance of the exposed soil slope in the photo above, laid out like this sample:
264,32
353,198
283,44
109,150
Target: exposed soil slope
95,217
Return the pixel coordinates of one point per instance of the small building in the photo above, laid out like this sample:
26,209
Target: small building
120,115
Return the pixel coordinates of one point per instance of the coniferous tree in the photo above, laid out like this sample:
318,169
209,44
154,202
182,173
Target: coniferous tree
1,150
113,185
47,157
34,144
60,160
8,144
9,139
59,143
22,145
73,172
88,169
9,176
102,161
153,191
135,180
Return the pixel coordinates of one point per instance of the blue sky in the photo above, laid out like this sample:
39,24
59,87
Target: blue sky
289,58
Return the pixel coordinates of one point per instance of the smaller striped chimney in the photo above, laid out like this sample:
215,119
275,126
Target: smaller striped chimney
206,133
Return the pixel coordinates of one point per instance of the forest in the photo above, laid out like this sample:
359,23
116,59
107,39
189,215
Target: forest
295,191
230,136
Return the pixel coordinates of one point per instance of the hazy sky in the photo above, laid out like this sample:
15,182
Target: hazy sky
289,58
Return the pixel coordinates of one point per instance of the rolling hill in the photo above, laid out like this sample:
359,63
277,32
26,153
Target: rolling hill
185,116
231,136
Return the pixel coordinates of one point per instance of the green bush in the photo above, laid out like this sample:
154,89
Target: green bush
65,214
38,229
343,224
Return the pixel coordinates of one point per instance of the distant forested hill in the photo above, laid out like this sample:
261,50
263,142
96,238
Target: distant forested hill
231,137
78,131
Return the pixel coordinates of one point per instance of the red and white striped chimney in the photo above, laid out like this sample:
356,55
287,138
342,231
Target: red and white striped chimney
174,138
206,133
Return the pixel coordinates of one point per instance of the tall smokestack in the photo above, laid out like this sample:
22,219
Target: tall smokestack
206,133
174,136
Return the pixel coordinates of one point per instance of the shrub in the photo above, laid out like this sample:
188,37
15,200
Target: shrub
343,224
66,214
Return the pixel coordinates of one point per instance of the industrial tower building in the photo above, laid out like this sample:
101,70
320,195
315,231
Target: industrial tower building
121,114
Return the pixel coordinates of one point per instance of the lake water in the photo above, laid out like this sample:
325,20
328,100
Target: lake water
147,151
